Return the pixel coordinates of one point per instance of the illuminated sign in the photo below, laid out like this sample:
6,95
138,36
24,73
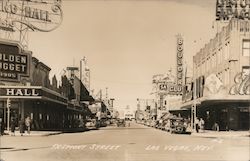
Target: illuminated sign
241,86
13,63
40,15
15,92
179,61
170,89
227,9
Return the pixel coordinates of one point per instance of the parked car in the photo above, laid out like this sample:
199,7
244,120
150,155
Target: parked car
121,122
176,125
91,124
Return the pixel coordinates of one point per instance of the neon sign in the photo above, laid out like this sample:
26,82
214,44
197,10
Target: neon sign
241,86
227,9
179,61
39,15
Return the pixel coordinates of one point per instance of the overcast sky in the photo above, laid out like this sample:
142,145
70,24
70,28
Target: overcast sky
125,42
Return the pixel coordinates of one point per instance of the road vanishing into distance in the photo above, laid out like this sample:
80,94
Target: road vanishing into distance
134,143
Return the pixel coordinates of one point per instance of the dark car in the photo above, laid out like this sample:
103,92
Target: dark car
176,125
121,122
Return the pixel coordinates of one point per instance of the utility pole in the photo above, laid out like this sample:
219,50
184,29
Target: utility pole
8,112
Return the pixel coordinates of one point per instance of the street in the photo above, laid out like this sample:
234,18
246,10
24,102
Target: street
134,143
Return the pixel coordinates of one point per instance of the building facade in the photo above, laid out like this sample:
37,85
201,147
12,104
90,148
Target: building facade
221,82
25,85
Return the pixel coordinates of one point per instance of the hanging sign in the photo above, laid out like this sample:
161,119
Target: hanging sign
13,63
227,9
179,62
38,15
241,86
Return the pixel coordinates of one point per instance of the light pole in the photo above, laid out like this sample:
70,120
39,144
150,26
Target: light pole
8,112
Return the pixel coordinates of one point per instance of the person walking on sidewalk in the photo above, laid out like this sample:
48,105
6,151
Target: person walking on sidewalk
196,122
27,123
202,123
1,127
12,127
21,126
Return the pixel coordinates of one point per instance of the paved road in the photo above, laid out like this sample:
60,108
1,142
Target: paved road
134,143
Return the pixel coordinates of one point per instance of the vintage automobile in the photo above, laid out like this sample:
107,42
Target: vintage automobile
121,122
91,124
176,125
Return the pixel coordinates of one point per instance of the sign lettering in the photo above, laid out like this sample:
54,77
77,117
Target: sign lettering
241,86
179,63
227,9
45,15
13,64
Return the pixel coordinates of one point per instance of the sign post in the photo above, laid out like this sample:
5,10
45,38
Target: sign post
8,112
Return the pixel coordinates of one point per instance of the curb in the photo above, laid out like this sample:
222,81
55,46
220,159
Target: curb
206,135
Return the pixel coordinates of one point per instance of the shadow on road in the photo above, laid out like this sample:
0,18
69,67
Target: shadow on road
22,149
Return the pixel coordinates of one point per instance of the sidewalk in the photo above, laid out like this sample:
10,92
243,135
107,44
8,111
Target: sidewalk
34,133
208,133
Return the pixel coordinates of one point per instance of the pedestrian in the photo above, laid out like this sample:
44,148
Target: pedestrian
27,124
196,122
216,126
21,126
12,127
1,127
202,123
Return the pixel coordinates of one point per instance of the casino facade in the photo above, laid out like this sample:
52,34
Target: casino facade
221,81
26,90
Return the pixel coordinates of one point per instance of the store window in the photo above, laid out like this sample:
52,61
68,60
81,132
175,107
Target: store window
246,47
245,71
40,116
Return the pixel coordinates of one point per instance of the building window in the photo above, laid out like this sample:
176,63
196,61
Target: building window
245,71
246,48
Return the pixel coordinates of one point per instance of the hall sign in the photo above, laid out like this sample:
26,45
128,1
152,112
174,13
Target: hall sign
227,9
40,15
16,92
13,64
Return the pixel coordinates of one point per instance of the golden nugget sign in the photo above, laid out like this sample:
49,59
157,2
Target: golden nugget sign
40,15
227,9
13,63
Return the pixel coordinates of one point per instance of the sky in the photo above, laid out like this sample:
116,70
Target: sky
125,42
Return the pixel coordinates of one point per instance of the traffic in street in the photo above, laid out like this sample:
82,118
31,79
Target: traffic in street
134,142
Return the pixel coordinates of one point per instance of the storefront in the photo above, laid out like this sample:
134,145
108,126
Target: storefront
220,90
26,90
44,106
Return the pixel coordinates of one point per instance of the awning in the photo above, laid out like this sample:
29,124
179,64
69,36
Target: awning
206,101
31,92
